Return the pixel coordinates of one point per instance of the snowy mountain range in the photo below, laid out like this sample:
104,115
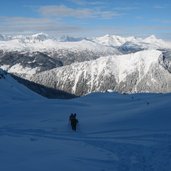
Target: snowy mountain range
83,65
115,131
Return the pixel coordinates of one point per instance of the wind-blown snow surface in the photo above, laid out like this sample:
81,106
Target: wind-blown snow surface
116,133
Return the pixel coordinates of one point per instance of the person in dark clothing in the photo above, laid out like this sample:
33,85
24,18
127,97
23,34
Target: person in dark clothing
73,121
71,117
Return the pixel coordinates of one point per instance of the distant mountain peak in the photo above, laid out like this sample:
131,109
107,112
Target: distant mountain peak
113,40
151,37
66,38
40,36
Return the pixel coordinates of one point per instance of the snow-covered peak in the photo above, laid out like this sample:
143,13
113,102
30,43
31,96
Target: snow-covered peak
35,38
25,38
151,42
113,40
151,38
140,61
159,43
66,38
40,36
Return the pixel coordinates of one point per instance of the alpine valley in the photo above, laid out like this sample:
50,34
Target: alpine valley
67,67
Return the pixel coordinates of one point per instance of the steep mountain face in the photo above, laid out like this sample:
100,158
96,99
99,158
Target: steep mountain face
166,62
83,65
139,72
12,86
24,63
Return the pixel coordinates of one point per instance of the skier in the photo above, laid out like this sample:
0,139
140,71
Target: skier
73,121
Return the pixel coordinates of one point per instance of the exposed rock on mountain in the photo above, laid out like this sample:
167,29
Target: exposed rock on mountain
139,72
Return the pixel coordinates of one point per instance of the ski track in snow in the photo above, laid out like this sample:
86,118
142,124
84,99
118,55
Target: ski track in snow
120,152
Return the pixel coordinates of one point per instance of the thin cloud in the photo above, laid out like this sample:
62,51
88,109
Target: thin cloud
78,2
127,8
157,28
103,4
166,21
24,24
64,11
160,7
146,30
84,2
163,21
23,20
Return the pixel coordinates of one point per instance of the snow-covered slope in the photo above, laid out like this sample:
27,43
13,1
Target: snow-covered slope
10,89
137,72
15,88
115,133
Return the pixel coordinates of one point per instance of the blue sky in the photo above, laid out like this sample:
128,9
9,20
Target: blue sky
87,17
